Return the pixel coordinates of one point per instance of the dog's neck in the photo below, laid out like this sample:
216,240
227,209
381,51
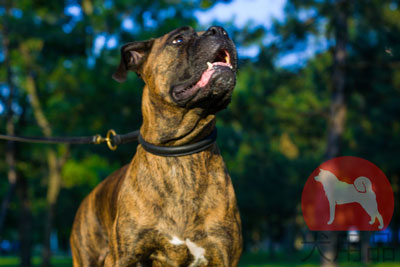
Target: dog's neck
173,126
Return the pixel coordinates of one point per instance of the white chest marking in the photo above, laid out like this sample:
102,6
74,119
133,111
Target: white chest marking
173,171
176,241
197,252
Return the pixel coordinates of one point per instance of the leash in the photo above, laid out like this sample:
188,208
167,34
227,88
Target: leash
113,140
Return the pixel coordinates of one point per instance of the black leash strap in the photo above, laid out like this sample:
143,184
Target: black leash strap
113,140
176,151
53,140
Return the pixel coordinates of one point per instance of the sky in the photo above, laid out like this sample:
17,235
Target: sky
261,12
243,11
240,12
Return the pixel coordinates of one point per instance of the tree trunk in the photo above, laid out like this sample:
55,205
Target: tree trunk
53,191
10,129
7,198
15,183
46,254
364,246
25,223
337,116
338,110
54,163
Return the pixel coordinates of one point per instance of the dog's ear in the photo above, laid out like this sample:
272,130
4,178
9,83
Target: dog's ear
133,55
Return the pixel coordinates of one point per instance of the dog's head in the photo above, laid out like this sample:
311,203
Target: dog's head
185,68
324,176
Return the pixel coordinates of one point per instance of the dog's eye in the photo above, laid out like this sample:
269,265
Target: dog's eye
178,40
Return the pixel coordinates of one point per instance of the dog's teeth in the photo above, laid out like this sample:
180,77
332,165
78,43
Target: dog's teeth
209,65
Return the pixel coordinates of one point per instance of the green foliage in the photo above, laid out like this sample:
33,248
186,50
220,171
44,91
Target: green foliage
76,92
276,125
87,171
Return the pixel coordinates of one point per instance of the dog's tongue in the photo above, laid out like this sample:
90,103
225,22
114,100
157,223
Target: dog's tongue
206,76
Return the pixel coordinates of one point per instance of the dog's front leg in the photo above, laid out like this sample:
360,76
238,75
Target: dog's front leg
219,254
221,247
144,246
129,244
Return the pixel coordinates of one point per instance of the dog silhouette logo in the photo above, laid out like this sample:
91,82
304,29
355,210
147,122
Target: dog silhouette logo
339,193
347,193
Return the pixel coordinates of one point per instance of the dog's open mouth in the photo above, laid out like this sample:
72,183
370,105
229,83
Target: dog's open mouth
221,60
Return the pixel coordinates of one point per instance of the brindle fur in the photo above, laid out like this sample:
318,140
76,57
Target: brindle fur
132,216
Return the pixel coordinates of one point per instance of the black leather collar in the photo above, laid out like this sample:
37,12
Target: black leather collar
177,151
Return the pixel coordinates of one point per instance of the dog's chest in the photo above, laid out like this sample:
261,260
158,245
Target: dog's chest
176,192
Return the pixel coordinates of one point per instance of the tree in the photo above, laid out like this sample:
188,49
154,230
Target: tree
361,35
15,181
57,63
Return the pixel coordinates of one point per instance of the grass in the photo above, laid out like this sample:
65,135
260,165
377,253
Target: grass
301,259
58,261
247,260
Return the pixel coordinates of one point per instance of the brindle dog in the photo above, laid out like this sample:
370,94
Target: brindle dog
169,211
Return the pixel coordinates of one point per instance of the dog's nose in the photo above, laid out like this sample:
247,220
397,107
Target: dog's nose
216,30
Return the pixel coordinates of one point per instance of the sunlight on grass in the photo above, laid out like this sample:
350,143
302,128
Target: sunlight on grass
59,261
247,260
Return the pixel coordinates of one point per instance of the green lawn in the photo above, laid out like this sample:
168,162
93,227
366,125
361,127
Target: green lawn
298,259
247,260
59,261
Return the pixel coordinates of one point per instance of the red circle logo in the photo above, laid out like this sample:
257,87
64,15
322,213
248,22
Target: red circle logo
347,193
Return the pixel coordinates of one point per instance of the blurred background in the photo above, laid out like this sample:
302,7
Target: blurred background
317,79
